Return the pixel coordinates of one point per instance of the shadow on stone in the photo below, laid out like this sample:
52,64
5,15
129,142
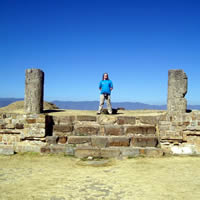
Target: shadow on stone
114,111
49,125
51,111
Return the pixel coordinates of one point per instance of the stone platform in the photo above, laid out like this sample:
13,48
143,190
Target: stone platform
84,134
81,133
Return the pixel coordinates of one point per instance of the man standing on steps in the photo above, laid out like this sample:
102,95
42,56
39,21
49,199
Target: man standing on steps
105,87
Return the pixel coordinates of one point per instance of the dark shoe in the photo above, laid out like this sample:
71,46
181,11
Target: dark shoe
98,113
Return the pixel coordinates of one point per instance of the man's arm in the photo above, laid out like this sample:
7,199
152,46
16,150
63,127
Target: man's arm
100,86
111,86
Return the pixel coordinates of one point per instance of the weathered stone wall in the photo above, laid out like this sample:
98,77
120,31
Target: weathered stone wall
101,136
34,91
177,89
105,136
79,135
180,133
22,133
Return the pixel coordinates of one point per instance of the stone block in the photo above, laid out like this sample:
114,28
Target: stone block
79,139
63,119
31,121
58,149
151,152
126,120
41,125
193,127
114,130
6,150
165,123
86,118
164,127
27,148
32,132
86,129
52,139
60,134
8,121
106,119
45,149
10,126
69,150
7,131
102,130
2,126
84,152
19,126
40,120
119,141
143,130
99,141
130,152
62,139
187,149
152,120
11,139
192,133
110,152
63,128
144,141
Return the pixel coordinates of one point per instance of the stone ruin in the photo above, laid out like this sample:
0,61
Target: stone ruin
177,89
174,131
34,91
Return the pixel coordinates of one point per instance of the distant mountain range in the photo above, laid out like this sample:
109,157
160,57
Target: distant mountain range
7,101
93,105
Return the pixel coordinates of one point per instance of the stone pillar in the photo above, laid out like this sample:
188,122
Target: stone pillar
177,89
34,91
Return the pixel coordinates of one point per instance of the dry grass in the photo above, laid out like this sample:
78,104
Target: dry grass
18,107
64,178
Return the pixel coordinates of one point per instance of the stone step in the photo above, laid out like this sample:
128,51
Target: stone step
95,152
116,152
105,141
6,150
93,128
147,141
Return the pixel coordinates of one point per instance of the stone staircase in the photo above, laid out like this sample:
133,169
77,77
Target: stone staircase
102,136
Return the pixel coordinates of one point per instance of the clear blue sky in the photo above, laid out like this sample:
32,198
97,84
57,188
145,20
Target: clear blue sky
74,42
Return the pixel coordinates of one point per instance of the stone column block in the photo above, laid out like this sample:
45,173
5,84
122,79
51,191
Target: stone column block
34,91
177,89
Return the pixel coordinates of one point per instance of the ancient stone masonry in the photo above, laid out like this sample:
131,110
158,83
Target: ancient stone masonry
179,131
79,135
177,89
34,91
22,133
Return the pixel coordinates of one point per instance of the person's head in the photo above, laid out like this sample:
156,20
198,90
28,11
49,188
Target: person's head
105,76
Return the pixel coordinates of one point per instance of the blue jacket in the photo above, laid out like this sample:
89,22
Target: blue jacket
105,86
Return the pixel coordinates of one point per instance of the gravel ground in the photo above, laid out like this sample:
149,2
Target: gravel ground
30,176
